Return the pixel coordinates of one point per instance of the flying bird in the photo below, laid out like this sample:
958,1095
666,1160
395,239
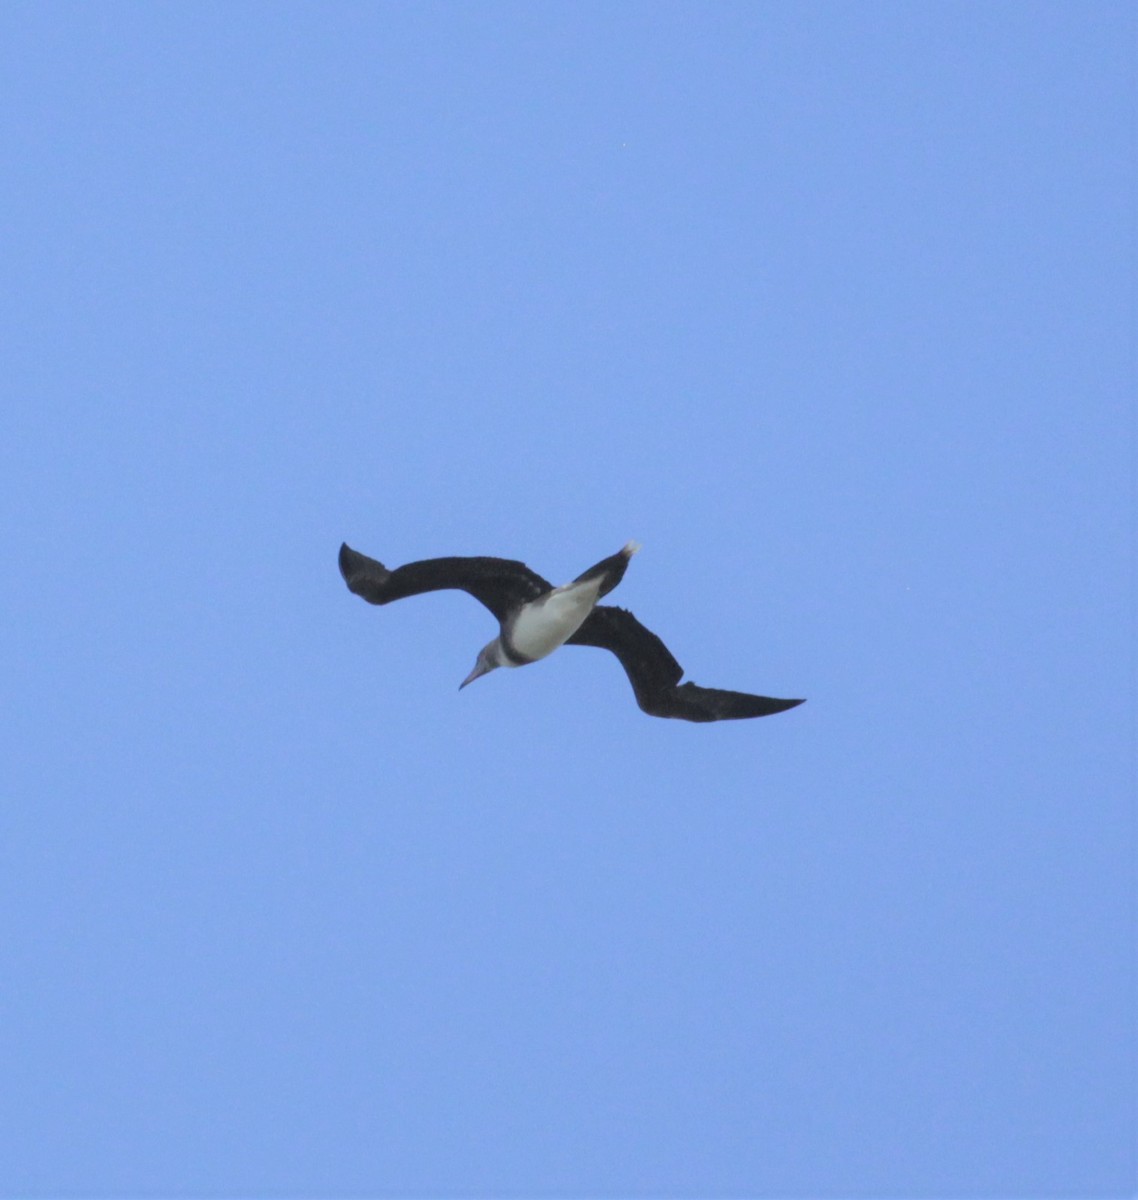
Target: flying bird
536,618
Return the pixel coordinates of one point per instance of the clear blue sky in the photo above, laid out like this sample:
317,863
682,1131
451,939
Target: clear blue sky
830,306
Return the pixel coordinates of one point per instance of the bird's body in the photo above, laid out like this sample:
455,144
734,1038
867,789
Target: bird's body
539,627
536,618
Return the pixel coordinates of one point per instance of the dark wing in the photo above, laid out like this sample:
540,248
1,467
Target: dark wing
655,675
499,583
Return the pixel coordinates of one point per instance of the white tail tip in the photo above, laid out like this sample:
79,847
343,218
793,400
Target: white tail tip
630,549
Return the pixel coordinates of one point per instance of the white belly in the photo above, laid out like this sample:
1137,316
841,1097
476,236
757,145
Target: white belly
548,622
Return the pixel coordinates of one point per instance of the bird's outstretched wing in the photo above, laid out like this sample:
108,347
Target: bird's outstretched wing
655,675
499,583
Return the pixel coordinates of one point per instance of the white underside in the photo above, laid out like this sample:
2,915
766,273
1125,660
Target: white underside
548,622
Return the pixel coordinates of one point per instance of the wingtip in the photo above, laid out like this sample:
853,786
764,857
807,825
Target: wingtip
364,576
631,548
348,562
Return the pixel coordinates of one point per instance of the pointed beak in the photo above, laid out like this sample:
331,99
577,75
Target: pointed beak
480,668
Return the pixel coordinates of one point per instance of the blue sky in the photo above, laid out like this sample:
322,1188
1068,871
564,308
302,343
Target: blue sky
828,305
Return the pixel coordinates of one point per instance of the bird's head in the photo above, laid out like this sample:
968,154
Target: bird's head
489,658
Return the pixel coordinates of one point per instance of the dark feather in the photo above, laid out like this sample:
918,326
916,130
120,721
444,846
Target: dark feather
500,583
655,675
610,571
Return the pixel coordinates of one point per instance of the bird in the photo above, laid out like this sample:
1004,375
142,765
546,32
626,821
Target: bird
535,618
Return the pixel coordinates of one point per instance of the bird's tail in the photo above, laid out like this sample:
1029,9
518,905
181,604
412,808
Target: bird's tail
610,571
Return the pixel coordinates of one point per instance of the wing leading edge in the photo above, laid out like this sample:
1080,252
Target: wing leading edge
501,584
